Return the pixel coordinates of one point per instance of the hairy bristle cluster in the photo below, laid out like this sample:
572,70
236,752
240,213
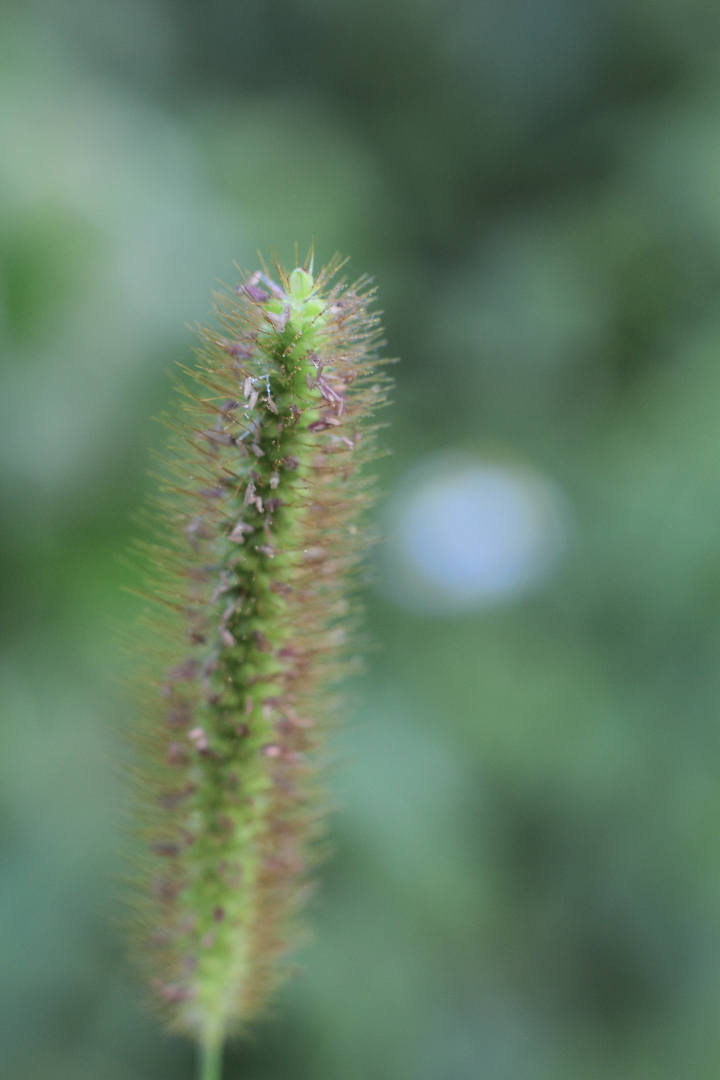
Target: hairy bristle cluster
258,542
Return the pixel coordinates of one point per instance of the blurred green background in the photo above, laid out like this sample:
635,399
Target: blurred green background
526,873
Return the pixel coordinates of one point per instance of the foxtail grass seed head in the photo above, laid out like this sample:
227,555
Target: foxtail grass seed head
258,538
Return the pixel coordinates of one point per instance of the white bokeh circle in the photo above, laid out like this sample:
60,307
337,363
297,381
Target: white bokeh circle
463,533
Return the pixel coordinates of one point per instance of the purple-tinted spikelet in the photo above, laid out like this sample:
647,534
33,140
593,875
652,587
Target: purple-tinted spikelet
257,547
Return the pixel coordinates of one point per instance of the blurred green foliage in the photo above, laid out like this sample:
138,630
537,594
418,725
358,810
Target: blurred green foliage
525,881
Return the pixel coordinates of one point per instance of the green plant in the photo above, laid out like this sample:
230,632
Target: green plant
258,542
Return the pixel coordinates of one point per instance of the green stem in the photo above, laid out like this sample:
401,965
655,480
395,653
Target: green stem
211,1059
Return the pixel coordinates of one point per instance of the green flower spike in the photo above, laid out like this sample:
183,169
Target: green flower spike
258,544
